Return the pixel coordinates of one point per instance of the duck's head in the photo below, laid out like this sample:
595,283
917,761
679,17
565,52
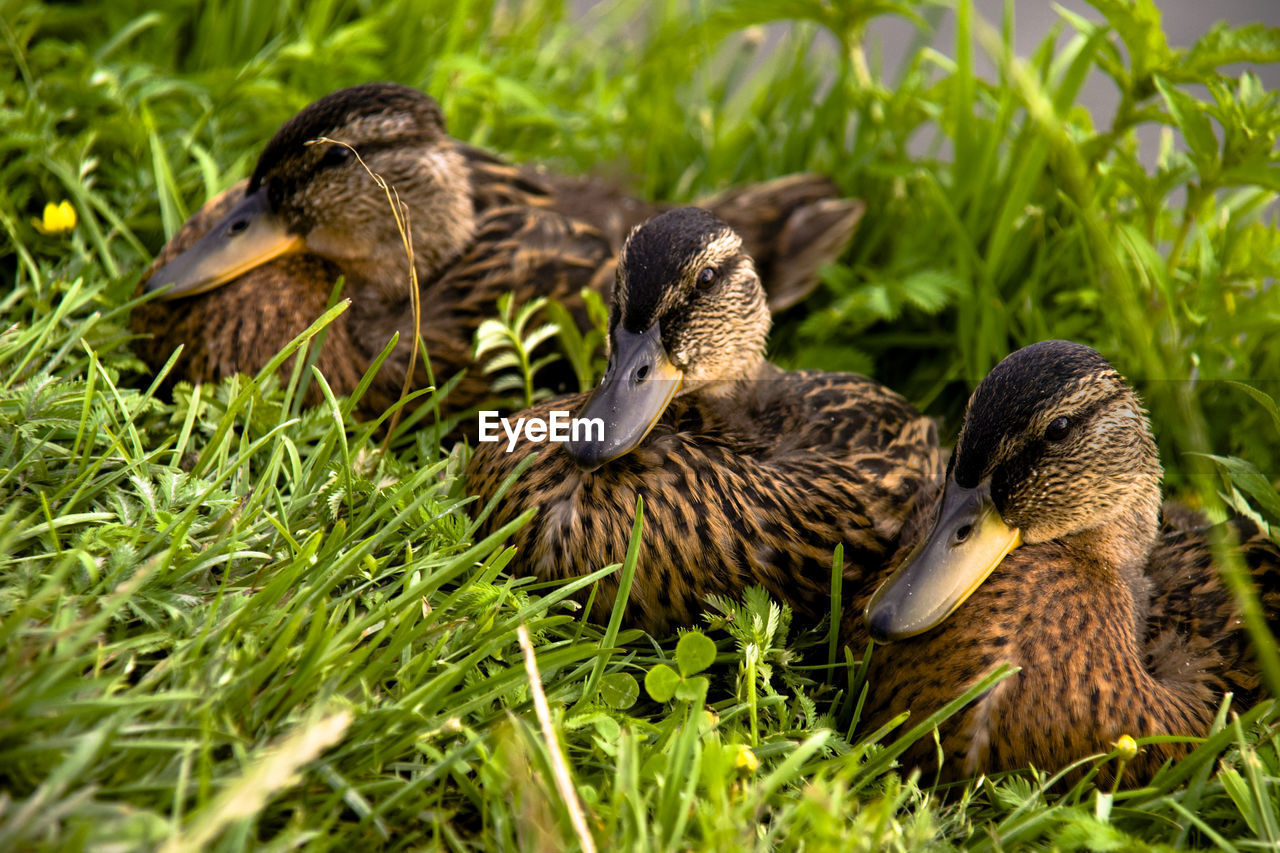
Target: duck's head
1055,446
317,197
689,315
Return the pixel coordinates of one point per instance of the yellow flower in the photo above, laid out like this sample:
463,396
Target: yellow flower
1127,747
58,218
745,761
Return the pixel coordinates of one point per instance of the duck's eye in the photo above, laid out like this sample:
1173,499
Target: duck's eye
707,277
335,155
1057,429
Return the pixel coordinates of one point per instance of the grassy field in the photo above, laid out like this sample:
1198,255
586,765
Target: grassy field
229,622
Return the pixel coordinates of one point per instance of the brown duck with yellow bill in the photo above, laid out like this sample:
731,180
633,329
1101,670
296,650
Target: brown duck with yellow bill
256,267
749,474
1050,553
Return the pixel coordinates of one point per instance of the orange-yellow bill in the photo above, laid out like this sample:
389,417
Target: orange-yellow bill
967,542
248,236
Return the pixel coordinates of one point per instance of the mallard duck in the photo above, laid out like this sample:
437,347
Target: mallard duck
750,474
1051,552
254,267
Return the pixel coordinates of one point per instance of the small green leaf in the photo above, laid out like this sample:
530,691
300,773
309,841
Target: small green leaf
1084,832
1238,790
1261,398
1249,479
660,683
1225,45
606,726
692,689
694,653
1138,24
1253,173
1189,115
619,690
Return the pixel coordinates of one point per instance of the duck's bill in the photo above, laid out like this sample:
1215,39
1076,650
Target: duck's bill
967,542
248,236
635,391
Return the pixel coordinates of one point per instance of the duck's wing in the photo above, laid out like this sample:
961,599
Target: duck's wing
792,227
601,203
526,251
856,421
1193,621
495,183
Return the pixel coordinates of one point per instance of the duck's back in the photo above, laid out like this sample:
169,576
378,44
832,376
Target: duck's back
1194,627
753,489
524,251
791,226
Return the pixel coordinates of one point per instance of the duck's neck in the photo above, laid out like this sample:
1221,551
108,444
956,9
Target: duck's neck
737,402
726,390
436,209
1122,548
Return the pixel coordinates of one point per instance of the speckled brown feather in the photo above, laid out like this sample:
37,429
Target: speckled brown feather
515,247
1193,623
1062,611
806,461
791,226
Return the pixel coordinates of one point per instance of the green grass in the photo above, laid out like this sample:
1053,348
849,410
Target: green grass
227,621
